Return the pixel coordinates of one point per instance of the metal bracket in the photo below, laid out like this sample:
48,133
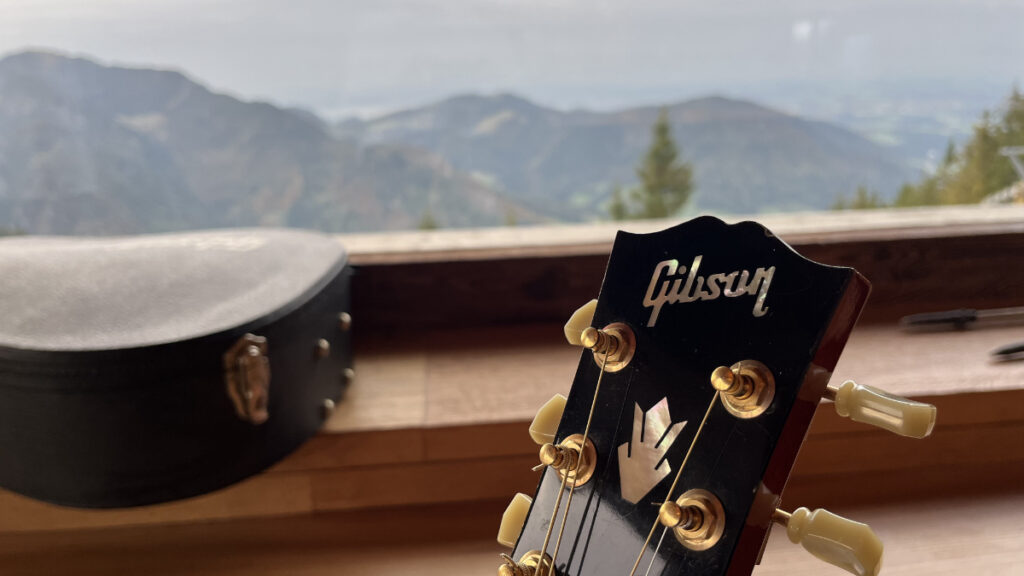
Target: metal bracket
247,376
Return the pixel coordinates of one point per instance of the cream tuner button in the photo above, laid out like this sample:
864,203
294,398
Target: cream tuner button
545,423
513,519
580,320
879,408
850,545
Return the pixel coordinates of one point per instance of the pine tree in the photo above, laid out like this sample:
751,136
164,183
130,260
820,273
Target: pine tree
978,170
666,182
617,209
862,199
979,176
949,158
511,219
428,221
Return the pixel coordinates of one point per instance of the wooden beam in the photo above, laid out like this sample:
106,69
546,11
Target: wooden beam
917,260
440,419
971,534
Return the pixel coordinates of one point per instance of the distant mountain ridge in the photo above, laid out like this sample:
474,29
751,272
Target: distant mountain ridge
92,149
747,158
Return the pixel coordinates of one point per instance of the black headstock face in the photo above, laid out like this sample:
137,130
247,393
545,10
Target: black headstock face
696,297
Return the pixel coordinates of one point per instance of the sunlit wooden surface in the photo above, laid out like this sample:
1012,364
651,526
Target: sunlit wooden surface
560,239
411,474
443,420
977,535
503,375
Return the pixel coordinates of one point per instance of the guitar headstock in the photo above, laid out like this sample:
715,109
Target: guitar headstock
710,347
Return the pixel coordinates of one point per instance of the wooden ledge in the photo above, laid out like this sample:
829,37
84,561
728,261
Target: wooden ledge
442,419
918,260
460,377
968,534
796,228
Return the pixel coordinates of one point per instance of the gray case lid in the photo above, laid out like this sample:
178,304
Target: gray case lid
106,293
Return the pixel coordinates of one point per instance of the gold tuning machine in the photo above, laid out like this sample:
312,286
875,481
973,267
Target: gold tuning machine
879,408
850,545
613,346
696,518
747,388
533,563
572,459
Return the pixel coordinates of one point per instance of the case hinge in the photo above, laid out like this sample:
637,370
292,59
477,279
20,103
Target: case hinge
247,375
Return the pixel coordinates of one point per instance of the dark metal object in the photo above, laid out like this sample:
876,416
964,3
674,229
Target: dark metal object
129,369
1009,353
247,375
962,319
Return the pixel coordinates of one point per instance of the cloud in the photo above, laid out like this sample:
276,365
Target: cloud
805,29
802,30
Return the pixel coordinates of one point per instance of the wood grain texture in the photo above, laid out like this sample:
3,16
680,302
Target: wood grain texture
261,496
445,419
978,535
505,374
596,238
458,434
918,260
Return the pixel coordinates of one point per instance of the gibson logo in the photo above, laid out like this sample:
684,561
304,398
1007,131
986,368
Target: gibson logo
697,287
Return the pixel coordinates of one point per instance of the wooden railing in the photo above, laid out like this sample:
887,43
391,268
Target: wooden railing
458,342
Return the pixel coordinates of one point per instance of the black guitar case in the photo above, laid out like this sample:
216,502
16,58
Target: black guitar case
138,370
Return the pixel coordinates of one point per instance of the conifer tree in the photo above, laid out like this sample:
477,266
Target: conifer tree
617,209
862,199
428,221
666,181
978,170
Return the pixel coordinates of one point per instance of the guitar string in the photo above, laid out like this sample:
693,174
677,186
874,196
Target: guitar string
668,497
655,556
551,521
579,461
561,489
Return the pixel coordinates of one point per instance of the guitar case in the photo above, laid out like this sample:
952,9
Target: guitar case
138,370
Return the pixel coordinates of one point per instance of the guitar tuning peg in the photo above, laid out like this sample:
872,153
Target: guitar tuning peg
513,519
852,546
747,388
580,320
545,423
879,408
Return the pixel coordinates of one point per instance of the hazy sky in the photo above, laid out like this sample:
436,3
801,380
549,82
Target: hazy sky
337,55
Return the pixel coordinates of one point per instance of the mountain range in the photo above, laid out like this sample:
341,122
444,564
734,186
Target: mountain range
746,158
93,149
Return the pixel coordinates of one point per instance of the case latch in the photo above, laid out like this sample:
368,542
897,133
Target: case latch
247,375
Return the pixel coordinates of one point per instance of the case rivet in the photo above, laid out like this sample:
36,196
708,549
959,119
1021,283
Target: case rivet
345,321
348,374
323,348
327,408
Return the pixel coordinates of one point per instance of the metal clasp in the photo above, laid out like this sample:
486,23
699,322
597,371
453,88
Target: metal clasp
247,375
